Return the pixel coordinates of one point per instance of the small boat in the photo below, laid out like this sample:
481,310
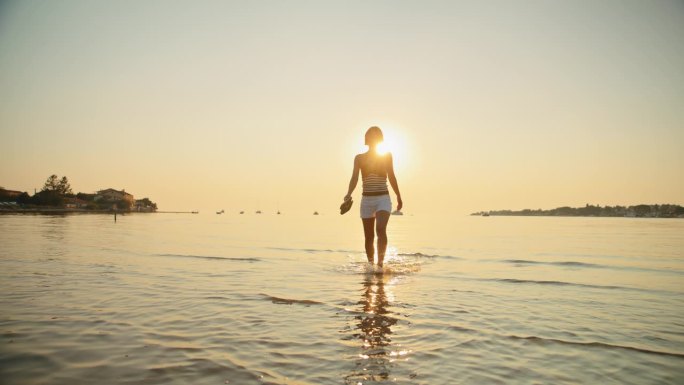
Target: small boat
242,212
221,212
194,212
278,212
315,212
258,211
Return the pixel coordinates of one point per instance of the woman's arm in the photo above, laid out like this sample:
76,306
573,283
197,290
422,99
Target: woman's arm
393,181
354,178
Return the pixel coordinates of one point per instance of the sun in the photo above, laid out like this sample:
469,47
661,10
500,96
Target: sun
382,148
395,142
392,143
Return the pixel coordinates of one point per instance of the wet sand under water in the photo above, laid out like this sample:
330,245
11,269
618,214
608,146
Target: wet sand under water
164,299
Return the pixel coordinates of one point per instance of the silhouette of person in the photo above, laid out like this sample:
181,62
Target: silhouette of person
376,203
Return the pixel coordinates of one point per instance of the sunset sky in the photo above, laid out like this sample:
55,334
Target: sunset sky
263,104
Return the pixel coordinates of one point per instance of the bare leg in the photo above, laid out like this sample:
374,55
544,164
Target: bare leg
382,218
369,233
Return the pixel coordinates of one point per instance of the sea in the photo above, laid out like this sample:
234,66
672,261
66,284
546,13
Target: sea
289,299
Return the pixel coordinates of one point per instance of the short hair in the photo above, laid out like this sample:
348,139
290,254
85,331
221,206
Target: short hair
374,135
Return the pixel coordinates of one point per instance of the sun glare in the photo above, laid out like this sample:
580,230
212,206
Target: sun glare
395,142
382,148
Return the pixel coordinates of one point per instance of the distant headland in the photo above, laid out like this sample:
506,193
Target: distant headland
56,196
638,211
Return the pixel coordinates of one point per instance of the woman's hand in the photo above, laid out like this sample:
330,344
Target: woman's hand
400,204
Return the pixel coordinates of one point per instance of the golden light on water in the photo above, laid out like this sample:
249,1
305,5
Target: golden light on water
391,255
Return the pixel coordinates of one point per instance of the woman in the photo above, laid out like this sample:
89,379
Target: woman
376,204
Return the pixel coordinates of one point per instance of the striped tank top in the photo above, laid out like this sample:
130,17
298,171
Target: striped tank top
374,181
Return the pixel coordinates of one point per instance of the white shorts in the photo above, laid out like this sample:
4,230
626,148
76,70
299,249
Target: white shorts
372,203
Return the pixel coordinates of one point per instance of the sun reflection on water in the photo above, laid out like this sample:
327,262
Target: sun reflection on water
373,326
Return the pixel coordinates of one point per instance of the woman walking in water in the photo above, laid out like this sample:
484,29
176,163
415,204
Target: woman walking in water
376,204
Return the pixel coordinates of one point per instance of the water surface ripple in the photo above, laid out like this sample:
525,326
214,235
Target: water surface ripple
204,299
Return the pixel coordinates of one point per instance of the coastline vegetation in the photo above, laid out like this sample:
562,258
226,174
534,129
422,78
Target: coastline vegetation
57,195
637,211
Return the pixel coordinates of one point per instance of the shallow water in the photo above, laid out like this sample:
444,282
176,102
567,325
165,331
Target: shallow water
266,299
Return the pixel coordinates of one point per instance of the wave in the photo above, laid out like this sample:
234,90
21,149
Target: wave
241,259
416,254
564,263
421,255
288,301
314,250
590,265
542,340
579,285
556,283
390,268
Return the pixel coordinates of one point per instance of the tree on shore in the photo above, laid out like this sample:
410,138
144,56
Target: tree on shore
24,198
57,191
146,202
59,186
53,192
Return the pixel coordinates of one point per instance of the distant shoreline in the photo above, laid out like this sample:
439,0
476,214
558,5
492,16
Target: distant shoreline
570,216
83,211
637,211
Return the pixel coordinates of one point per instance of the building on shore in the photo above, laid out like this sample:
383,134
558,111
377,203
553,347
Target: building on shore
115,199
75,203
111,194
9,195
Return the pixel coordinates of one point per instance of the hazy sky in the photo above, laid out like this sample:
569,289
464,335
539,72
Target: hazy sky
263,104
